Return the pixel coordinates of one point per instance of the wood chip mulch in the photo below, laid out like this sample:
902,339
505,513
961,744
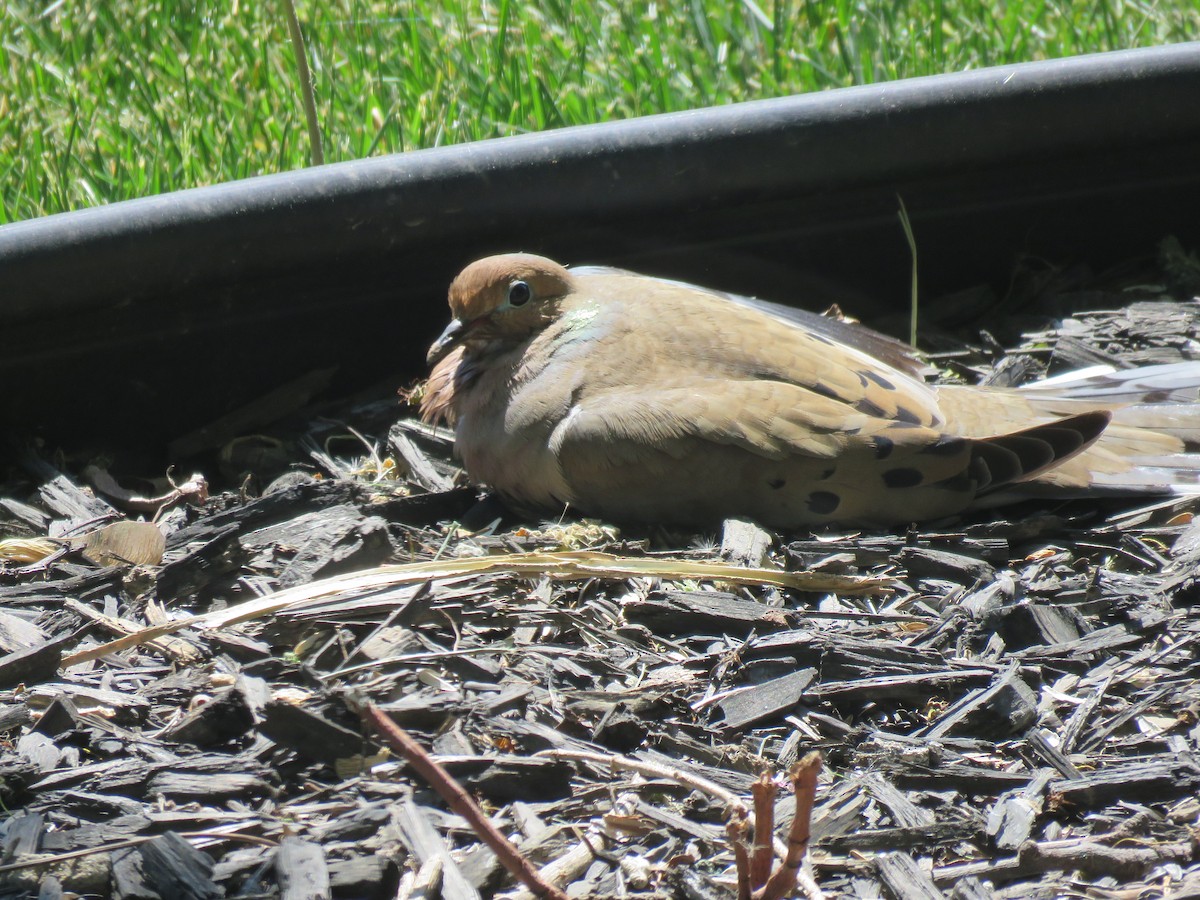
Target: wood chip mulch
1007,706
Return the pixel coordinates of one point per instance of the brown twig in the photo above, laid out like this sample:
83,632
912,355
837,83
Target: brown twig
735,830
193,491
804,782
460,801
763,856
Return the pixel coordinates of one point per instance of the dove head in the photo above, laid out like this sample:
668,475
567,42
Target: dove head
502,299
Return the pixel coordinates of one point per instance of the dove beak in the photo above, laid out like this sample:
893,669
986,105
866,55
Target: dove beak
454,334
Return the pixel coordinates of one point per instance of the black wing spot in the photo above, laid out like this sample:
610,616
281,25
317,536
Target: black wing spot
866,407
879,380
904,414
883,446
823,503
776,483
902,478
824,391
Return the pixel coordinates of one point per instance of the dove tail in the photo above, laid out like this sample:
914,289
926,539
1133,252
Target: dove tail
1153,443
1169,381
1022,455
1162,398
1176,473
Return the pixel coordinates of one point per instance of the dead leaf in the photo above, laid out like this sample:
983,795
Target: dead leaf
125,543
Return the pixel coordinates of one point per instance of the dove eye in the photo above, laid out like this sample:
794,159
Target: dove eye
519,293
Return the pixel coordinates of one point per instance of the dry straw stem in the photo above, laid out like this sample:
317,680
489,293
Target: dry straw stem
735,808
594,840
43,860
576,565
172,648
27,550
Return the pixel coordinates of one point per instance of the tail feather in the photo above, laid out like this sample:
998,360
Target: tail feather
1161,403
1165,383
1022,455
1178,473
1151,446
1179,420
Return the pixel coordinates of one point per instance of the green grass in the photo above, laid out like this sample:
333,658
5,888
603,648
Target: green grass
103,100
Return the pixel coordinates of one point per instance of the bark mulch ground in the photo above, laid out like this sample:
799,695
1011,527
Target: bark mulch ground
1007,706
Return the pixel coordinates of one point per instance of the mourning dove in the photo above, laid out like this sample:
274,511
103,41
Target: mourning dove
641,399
